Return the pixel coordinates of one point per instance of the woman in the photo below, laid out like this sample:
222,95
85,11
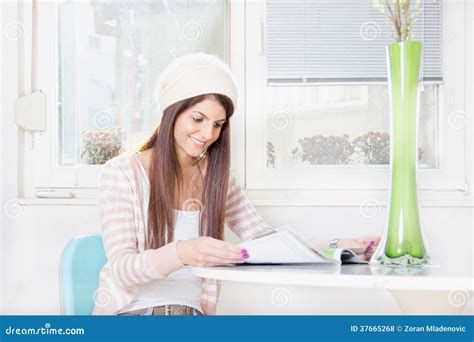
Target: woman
165,207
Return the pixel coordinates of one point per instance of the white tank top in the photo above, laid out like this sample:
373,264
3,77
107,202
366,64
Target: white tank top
179,287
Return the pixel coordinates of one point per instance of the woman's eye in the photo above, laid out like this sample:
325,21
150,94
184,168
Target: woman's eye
217,125
197,119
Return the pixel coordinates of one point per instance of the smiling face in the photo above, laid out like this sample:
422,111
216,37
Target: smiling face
197,128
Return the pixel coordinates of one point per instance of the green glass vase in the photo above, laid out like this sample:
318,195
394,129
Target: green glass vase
402,243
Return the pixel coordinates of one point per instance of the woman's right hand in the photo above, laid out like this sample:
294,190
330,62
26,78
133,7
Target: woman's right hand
205,251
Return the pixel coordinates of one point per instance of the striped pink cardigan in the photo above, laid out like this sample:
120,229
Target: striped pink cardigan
129,265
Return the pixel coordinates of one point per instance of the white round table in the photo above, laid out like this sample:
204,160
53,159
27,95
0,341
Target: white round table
417,290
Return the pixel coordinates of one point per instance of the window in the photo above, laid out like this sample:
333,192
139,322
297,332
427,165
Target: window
313,124
119,49
317,99
99,62
105,59
338,125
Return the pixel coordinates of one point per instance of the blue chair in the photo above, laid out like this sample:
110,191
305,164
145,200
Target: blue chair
81,262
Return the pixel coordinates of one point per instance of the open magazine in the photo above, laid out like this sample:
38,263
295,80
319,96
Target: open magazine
284,246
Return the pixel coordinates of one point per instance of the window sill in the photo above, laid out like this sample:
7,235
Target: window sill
58,201
354,198
307,198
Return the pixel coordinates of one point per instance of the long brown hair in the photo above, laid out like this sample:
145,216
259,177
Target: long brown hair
165,175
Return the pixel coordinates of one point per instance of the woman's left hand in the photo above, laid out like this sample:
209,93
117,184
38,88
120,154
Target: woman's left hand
368,242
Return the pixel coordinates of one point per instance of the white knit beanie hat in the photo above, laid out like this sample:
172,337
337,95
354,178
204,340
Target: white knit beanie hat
192,75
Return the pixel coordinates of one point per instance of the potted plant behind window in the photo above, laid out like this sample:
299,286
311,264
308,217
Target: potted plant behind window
402,243
100,146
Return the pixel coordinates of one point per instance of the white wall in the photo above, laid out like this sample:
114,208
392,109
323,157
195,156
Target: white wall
36,238
2,152
8,91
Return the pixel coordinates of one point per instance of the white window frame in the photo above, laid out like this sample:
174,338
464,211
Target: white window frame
79,180
82,180
452,174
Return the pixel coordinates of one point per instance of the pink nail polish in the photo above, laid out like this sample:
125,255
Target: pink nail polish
370,247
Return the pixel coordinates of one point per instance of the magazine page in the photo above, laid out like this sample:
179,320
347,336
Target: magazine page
281,247
346,256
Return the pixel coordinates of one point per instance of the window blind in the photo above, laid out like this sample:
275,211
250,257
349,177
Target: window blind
311,41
